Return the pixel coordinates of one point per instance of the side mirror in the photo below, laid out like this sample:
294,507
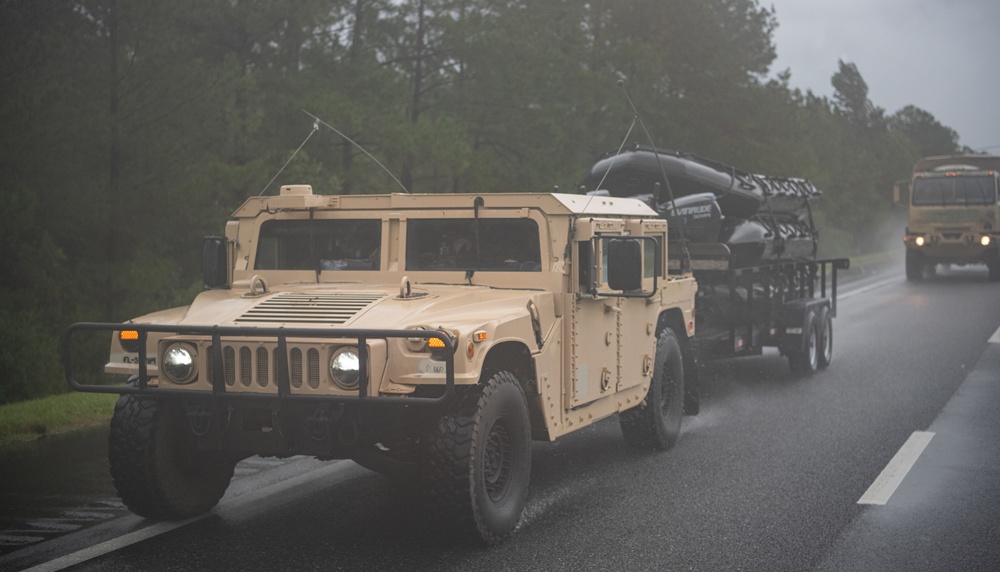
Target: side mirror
215,262
624,264
901,191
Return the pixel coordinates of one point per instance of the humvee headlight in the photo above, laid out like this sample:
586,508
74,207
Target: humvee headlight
345,368
919,241
178,363
985,241
129,340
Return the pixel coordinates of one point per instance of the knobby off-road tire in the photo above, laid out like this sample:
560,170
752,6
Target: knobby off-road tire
656,423
478,459
155,464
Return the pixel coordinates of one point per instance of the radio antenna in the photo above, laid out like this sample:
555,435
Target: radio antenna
663,170
319,121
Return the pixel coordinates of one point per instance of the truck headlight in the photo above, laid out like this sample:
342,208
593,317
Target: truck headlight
985,240
178,363
345,368
919,241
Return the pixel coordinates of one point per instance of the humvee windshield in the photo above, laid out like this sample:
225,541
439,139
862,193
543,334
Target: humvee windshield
954,191
465,244
319,245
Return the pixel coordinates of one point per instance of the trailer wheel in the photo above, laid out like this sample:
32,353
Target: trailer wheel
155,464
656,424
825,338
478,459
805,361
914,266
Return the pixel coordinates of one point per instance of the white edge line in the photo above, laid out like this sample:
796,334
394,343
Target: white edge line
894,473
880,284
165,527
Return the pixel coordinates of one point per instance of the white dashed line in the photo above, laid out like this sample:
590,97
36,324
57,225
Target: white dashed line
896,470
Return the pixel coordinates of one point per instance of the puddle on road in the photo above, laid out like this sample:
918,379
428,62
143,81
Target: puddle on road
55,485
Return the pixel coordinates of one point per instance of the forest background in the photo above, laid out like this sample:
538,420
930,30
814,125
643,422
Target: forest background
133,128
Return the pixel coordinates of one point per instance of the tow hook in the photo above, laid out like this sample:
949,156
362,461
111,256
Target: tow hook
322,419
201,421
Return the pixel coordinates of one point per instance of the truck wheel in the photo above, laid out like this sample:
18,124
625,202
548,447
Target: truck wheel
914,266
656,423
478,459
825,338
805,361
155,464
993,266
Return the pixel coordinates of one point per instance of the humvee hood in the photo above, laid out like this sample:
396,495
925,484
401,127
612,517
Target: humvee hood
364,306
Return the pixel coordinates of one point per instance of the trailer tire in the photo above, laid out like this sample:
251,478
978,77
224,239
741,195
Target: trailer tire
825,338
656,424
914,266
477,460
155,464
805,361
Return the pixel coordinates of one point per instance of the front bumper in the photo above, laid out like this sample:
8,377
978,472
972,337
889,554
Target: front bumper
216,338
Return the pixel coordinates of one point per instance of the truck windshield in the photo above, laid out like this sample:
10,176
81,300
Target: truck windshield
975,190
319,245
455,244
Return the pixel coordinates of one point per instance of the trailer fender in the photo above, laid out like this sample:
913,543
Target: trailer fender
795,319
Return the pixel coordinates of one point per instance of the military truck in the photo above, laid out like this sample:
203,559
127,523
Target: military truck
953,213
427,337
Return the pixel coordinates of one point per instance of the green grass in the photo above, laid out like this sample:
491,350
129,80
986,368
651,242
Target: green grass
31,419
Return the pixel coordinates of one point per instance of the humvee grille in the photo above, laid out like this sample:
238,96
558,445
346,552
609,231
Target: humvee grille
311,308
261,366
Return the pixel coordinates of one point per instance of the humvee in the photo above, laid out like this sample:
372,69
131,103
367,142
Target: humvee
428,337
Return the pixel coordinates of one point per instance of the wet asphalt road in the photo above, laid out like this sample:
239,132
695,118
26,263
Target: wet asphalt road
766,478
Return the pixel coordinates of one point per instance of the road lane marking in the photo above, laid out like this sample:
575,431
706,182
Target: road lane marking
323,473
868,288
995,338
896,470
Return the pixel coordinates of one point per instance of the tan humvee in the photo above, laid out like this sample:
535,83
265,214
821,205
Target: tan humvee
430,336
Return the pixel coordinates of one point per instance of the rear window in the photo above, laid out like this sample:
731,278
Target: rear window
468,244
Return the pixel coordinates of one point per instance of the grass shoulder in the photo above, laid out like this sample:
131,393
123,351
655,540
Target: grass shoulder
29,420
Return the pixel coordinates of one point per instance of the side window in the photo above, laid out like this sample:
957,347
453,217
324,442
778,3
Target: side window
465,244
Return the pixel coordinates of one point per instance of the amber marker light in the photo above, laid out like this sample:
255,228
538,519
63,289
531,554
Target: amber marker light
479,336
435,343
129,340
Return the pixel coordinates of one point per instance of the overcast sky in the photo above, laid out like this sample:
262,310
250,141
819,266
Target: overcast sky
942,56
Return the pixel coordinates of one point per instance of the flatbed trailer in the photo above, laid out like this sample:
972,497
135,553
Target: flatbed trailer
740,310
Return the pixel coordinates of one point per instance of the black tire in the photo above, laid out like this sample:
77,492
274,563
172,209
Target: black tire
993,266
914,266
478,460
155,464
824,338
805,361
656,424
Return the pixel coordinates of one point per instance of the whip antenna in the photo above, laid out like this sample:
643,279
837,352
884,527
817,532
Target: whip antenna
319,121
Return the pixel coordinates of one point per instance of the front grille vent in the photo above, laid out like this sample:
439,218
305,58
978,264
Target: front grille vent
248,367
330,309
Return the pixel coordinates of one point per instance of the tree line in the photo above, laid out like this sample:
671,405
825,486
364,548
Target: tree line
132,128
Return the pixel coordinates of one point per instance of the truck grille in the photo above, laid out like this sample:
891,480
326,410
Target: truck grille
258,366
333,309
